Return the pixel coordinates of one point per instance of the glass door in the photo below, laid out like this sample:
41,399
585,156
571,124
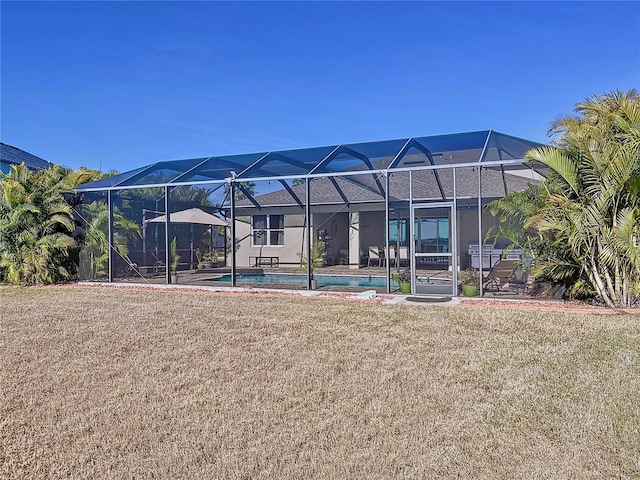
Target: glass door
433,261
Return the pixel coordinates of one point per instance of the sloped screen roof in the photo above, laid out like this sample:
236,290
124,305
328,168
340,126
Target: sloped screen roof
399,154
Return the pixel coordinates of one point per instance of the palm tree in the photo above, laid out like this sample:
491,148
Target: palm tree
192,195
36,226
317,258
38,234
512,211
588,210
75,178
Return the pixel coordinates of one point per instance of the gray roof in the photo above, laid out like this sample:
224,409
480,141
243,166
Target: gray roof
13,155
427,185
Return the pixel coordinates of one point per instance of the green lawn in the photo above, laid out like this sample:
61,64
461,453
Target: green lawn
122,383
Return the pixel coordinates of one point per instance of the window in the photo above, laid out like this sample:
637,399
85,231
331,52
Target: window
267,230
433,235
430,234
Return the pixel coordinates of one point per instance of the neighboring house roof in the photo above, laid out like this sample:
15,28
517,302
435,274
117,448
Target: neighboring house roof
12,155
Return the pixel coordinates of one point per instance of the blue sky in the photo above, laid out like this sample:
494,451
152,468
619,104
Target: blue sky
117,85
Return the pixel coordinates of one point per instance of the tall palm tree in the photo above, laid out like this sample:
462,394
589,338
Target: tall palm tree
591,201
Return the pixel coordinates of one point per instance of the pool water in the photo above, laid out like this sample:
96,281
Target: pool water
323,280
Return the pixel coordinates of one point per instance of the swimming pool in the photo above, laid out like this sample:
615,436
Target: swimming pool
323,280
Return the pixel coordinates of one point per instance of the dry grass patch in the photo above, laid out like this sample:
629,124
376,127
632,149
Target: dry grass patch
110,383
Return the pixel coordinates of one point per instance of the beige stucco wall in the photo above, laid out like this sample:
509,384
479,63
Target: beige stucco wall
371,232
287,253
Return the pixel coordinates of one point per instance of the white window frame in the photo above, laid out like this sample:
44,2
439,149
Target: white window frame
266,231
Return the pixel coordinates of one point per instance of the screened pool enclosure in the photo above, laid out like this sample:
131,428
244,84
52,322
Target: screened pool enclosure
368,209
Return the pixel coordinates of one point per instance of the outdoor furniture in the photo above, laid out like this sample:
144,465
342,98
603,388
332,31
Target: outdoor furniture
262,261
382,261
192,216
374,255
158,268
393,260
145,271
503,272
403,256
132,270
520,279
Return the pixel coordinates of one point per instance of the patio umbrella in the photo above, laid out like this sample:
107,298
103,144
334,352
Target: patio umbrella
191,215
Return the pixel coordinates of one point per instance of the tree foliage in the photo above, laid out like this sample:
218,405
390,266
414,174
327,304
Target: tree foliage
45,224
36,226
242,190
585,217
40,236
318,253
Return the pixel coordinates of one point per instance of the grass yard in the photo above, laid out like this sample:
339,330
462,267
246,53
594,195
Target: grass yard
117,383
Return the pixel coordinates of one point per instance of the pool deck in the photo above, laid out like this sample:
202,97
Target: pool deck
205,277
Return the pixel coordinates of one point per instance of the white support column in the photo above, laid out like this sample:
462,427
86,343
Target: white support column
354,239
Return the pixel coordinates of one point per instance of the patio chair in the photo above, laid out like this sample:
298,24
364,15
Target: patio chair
383,256
403,256
502,272
159,268
374,255
520,279
132,271
393,260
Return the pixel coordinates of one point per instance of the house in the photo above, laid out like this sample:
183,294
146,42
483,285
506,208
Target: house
421,196
10,155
